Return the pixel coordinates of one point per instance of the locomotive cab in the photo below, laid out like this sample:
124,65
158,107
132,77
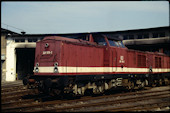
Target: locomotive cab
108,40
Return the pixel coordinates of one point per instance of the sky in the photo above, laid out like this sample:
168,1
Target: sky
78,17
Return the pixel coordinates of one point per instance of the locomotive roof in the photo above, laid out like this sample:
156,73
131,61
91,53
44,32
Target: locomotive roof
68,40
108,35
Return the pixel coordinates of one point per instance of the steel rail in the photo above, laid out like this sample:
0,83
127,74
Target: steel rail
9,89
61,102
101,104
77,100
132,101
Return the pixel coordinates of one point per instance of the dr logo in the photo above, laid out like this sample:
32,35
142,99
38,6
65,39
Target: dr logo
121,59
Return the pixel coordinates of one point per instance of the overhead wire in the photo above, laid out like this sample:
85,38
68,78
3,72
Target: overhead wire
12,27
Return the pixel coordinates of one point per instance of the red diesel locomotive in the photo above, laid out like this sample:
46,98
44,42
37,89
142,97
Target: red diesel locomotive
95,62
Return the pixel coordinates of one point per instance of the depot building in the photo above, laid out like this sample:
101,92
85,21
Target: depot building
18,55
18,49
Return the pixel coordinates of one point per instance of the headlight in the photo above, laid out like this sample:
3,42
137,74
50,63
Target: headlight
55,67
36,70
55,70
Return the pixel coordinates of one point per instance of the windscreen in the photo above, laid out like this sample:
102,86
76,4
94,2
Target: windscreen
116,43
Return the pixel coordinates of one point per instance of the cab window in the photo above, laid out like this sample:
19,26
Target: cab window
99,39
83,37
116,43
113,43
121,44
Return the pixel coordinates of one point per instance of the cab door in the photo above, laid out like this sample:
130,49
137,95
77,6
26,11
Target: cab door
106,57
114,59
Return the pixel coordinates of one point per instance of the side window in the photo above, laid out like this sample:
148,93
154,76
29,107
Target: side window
162,34
99,39
112,43
140,36
32,40
125,37
116,43
121,44
146,35
83,37
19,40
155,35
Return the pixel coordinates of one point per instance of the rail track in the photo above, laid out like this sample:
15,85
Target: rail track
12,93
129,101
16,95
13,88
8,84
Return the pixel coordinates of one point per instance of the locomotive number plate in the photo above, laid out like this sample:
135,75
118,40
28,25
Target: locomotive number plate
47,52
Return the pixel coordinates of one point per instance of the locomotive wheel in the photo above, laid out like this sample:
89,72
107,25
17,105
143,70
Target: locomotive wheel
142,85
166,81
159,82
77,90
25,81
55,92
47,85
99,89
131,85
